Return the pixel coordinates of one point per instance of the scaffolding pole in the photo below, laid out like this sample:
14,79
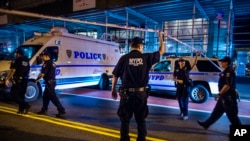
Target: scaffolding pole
16,12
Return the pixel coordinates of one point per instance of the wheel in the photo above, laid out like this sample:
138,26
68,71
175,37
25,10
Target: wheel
199,94
32,92
104,82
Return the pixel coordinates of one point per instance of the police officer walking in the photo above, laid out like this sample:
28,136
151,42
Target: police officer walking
133,70
183,84
19,75
48,74
226,98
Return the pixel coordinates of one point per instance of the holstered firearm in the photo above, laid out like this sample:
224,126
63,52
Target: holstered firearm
123,93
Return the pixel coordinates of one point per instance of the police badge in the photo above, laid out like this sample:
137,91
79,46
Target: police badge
69,53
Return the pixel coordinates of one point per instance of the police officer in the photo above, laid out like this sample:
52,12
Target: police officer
133,70
183,84
226,98
48,74
19,73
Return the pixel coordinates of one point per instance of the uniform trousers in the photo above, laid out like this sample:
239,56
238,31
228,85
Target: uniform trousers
227,104
135,104
182,93
18,90
50,95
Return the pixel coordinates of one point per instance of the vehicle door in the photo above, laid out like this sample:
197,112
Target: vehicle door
161,77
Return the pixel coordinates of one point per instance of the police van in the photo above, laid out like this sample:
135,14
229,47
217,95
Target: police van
81,60
204,75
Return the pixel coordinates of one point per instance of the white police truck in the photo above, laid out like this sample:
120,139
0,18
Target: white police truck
205,75
81,60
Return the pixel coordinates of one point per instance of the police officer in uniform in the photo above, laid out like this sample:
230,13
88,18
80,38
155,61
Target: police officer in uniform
19,75
48,74
183,84
226,98
133,70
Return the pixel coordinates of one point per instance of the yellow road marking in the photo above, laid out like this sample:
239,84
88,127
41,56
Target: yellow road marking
76,125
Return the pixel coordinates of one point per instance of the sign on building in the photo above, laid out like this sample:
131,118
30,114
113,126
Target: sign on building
3,19
83,4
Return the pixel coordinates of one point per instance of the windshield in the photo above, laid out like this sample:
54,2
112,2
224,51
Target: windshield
29,51
3,55
164,66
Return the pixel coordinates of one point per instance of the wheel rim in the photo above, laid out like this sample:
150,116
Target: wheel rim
31,92
198,94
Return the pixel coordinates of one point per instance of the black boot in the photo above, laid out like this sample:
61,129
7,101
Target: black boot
60,114
42,112
26,109
203,124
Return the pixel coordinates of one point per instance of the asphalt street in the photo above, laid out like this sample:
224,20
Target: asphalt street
91,116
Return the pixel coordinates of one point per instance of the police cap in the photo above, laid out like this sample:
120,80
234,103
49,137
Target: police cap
19,51
137,40
226,59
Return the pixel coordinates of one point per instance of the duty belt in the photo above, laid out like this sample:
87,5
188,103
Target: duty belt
140,89
20,77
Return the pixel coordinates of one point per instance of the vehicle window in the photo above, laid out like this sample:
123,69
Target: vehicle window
207,66
176,64
53,51
29,51
162,66
3,55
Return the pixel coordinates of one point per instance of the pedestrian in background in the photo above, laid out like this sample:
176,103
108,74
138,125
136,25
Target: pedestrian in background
19,76
133,70
183,84
48,74
226,98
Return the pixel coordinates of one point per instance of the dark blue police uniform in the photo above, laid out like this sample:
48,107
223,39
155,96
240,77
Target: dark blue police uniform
48,69
183,90
227,102
20,81
133,70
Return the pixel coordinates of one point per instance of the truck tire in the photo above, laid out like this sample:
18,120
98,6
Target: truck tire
199,94
32,92
104,82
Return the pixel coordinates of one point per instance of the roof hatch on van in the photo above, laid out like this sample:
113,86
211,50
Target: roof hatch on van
58,31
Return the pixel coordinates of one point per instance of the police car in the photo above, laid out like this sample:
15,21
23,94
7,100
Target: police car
205,75
80,60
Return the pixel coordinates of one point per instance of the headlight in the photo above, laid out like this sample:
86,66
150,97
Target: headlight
3,75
